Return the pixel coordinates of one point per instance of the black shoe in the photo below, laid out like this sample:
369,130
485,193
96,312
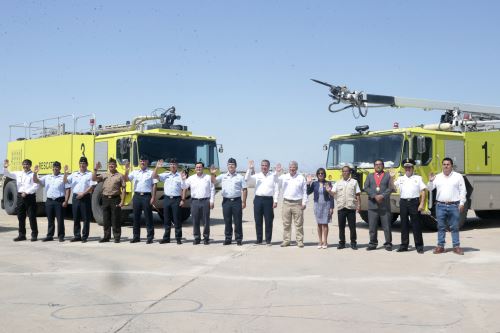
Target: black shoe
340,246
258,242
388,247
179,242
19,238
117,240
402,249
371,247
61,239
205,241
196,242
149,241
84,240
354,246
135,240
76,239
103,240
34,239
48,239
420,250
164,241
227,242
239,243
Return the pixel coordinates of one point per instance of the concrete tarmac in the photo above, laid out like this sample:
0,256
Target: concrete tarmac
92,287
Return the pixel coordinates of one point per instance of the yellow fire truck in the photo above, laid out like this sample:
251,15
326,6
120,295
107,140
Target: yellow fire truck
466,133
154,136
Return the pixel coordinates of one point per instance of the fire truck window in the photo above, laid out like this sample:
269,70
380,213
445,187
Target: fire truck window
122,151
426,157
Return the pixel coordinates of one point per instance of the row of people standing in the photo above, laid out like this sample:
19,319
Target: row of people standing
294,187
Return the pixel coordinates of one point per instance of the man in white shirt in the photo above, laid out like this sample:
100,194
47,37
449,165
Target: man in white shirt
26,199
266,198
411,203
450,201
294,188
81,189
202,200
57,195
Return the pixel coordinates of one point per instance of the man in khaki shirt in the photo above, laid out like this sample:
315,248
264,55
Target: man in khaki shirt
113,197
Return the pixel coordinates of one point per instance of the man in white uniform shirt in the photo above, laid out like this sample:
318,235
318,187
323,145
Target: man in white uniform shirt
202,200
57,195
411,203
294,188
450,201
26,198
266,198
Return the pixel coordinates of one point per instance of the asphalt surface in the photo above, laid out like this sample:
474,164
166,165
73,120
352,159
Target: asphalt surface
92,287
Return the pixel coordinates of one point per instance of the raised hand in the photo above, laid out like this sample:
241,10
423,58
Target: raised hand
251,164
98,166
432,176
309,179
36,169
5,163
392,172
66,168
278,168
159,164
213,170
127,166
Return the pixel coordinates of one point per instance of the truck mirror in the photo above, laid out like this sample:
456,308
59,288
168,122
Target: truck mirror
421,148
221,149
325,147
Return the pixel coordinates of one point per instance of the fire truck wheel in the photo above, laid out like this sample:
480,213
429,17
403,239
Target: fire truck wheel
10,198
364,216
97,204
488,214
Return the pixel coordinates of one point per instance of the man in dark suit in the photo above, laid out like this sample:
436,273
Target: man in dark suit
378,187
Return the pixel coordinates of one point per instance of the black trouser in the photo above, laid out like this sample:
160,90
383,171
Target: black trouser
111,214
232,211
172,213
200,210
142,203
349,215
27,205
385,216
263,208
81,211
55,210
409,208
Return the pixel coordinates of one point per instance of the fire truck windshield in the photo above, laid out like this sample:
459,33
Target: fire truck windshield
185,151
364,150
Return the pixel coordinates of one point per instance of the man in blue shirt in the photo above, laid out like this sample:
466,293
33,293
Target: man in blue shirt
172,201
234,194
57,200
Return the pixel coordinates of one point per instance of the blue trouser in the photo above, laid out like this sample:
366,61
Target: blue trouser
448,215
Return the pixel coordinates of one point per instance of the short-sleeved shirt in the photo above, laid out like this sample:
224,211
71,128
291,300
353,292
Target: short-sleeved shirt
80,181
142,180
232,184
409,187
54,185
112,183
172,183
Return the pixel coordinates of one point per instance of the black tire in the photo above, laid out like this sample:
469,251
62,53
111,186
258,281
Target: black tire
10,198
364,216
97,204
488,214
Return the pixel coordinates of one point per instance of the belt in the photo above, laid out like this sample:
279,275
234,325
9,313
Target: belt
293,201
55,199
233,199
448,202
264,196
409,199
173,196
142,193
111,196
200,199
27,194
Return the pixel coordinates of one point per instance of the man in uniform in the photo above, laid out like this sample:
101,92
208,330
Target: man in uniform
294,188
202,200
347,196
266,198
57,200
26,198
81,188
234,194
378,187
172,203
144,196
450,201
411,203
113,199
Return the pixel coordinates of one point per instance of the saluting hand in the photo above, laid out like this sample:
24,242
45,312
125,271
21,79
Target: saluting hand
278,168
213,170
66,168
5,163
36,169
159,164
98,166
309,179
251,164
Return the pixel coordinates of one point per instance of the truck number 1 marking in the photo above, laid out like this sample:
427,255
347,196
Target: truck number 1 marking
485,147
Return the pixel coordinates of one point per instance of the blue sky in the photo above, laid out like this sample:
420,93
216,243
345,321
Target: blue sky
240,70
